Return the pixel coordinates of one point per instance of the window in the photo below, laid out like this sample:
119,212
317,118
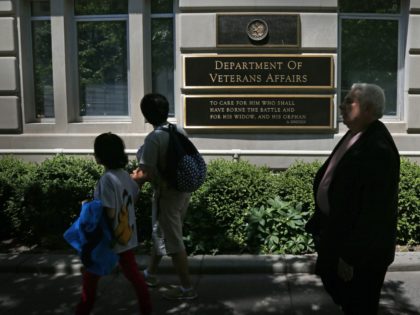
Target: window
92,63
102,57
42,59
163,50
371,49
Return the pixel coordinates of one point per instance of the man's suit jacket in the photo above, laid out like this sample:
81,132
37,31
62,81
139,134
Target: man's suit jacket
363,197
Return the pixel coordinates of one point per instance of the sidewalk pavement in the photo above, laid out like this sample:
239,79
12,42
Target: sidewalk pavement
47,284
51,263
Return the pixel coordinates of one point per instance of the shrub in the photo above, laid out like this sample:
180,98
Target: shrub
144,213
278,228
218,210
296,184
54,198
143,207
5,221
240,208
15,175
409,204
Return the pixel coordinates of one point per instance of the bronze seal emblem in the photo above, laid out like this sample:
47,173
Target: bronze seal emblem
257,29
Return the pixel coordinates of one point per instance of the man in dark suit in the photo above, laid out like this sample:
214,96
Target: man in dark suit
356,192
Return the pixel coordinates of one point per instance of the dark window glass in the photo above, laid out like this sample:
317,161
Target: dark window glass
162,6
100,7
163,59
40,8
42,60
366,6
370,54
102,56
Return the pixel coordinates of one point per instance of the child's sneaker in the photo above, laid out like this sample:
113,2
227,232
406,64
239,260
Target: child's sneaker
151,280
178,293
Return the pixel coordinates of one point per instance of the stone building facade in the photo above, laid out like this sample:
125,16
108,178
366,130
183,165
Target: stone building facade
70,70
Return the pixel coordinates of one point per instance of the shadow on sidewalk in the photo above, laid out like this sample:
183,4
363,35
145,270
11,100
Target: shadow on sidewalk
395,301
238,294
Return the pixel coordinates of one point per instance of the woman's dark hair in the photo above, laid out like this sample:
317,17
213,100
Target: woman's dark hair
155,108
110,151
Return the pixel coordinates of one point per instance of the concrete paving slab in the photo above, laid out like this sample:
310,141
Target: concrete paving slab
52,263
37,295
13,262
228,294
219,264
401,294
244,264
406,261
165,266
300,263
243,294
308,295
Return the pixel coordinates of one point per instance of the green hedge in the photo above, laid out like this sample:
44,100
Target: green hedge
409,204
49,196
240,208
218,213
15,176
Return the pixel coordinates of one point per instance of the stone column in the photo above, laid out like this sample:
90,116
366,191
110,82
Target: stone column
10,114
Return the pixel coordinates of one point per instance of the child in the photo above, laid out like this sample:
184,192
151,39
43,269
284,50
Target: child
117,192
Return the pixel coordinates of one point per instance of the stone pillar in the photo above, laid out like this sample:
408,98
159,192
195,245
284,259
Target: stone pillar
413,68
10,114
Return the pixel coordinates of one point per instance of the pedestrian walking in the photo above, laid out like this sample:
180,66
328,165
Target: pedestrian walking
169,204
356,192
118,194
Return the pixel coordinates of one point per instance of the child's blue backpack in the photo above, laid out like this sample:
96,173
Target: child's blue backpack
185,167
92,238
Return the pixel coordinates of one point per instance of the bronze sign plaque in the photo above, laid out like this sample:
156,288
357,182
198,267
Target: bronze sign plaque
298,112
258,71
266,30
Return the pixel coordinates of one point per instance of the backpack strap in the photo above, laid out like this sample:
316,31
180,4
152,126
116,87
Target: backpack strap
169,128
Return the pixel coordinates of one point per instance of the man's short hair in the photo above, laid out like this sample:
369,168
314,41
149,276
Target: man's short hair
370,96
155,108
